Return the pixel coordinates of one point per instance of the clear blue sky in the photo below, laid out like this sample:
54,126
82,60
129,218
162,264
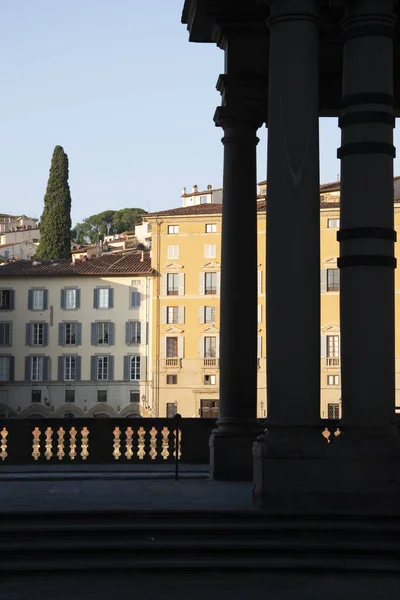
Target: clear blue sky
118,85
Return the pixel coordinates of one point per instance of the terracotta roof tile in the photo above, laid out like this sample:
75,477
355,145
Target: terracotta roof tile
105,265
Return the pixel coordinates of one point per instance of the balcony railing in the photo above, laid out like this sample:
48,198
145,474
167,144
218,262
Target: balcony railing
210,362
103,441
113,441
332,361
172,362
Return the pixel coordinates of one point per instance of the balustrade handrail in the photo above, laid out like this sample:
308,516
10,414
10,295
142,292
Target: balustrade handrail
103,441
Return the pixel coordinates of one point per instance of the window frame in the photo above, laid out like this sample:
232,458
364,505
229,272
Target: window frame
69,368
173,229
35,304
67,292
5,298
210,346
210,283
171,345
135,332
69,392
171,379
99,297
37,367
174,289
212,379
5,361
333,280
37,333
102,367
134,367
102,335
175,315
213,310
7,325
333,220
36,393
211,228
102,396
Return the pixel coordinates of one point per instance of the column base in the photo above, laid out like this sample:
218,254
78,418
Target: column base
231,449
298,473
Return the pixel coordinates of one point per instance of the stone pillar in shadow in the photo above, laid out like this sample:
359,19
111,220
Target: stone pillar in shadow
368,454
287,455
237,427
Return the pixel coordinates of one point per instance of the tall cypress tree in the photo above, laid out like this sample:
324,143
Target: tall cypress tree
55,223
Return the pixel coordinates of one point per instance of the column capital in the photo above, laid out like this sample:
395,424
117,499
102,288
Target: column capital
242,118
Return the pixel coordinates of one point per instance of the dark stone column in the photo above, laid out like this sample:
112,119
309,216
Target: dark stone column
237,426
285,457
368,453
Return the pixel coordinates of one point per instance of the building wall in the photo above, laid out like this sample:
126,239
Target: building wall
23,250
190,370
18,394
22,235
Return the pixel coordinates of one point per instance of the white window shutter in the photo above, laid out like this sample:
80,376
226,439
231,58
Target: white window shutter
163,346
259,281
259,313
218,283
201,283
201,314
143,332
180,346
143,365
207,250
324,280
217,346
259,346
213,251
181,279
164,284
181,314
323,345
201,347
163,315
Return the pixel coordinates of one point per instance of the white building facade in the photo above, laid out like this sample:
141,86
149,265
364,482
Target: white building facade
74,337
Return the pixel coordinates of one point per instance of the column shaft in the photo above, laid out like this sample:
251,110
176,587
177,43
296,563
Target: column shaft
367,216
237,426
293,223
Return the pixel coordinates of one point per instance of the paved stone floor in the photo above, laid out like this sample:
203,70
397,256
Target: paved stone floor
115,493
197,586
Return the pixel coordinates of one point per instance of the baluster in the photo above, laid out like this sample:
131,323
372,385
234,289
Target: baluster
36,443
84,443
3,444
141,443
117,443
48,443
164,442
129,442
60,443
153,442
72,443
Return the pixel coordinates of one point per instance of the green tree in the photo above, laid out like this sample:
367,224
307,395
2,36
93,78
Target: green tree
55,223
108,222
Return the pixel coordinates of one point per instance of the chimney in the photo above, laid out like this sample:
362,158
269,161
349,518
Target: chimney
194,189
337,178
142,256
183,191
209,187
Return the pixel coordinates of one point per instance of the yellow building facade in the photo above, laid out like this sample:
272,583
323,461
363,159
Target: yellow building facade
186,255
